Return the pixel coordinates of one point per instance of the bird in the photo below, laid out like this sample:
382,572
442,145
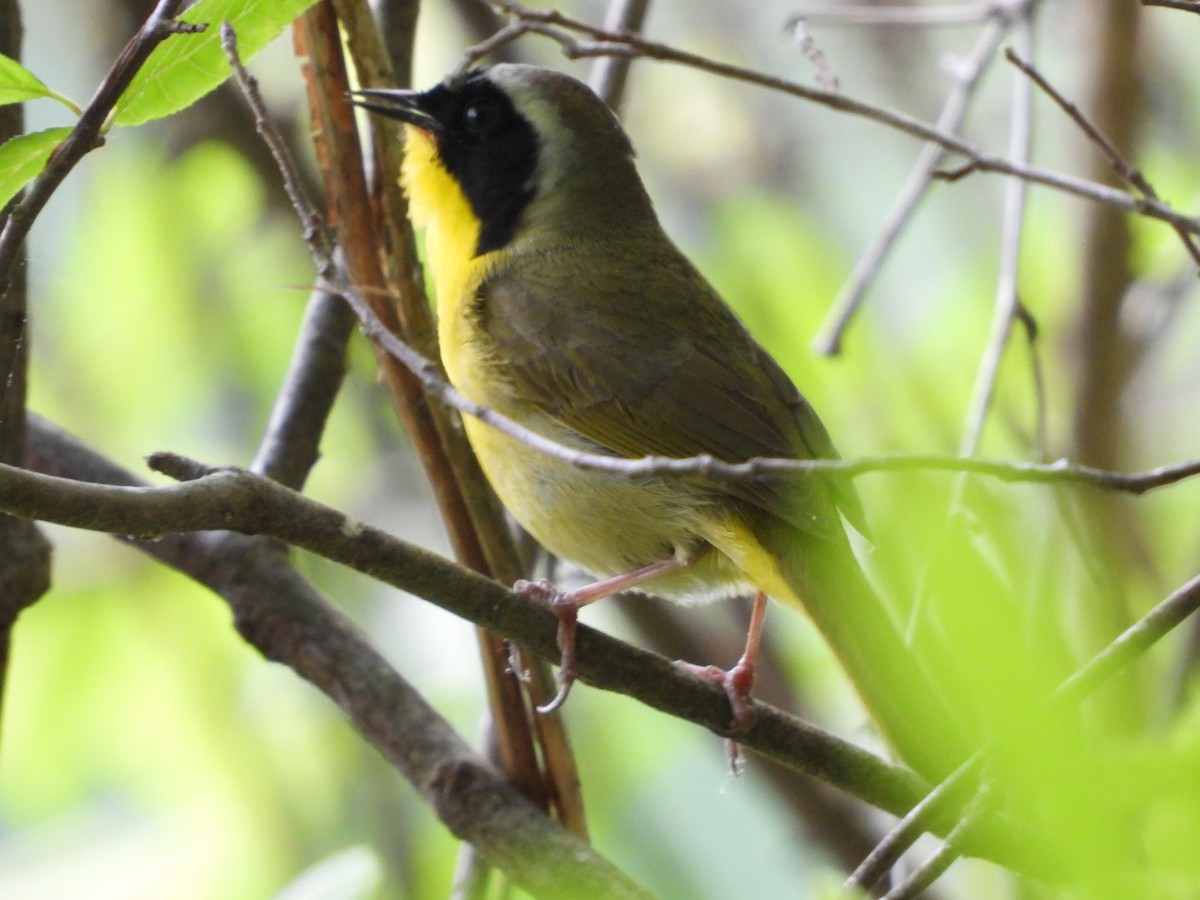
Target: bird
562,304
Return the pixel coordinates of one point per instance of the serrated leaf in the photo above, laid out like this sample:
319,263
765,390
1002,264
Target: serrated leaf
17,83
185,67
23,157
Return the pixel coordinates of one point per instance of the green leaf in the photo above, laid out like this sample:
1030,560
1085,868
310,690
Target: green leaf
17,83
185,67
24,157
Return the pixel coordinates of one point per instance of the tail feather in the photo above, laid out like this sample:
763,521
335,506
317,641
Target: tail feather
896,685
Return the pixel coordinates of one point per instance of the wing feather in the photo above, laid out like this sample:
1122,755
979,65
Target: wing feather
639,370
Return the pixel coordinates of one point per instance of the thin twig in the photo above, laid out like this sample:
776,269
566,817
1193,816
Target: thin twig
1041,431
919,16
1118,655
915,823
936,865
1012,228
828,341
1132,643
558,27
1128,172
1061,472
289,447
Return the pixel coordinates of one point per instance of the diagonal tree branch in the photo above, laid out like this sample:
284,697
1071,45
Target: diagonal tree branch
237,499
288,621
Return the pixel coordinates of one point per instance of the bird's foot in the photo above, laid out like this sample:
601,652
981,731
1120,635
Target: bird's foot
737,684
566,609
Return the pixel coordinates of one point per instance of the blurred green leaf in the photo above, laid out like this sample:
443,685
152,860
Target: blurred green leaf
17,83
22,158
185,67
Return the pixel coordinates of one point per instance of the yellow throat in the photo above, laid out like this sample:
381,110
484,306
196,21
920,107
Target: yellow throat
437,204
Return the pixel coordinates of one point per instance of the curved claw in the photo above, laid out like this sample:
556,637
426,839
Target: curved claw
566,609
559,699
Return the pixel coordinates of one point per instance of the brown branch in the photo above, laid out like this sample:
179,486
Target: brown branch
469,510
1104,347
536,755
288,621
235,499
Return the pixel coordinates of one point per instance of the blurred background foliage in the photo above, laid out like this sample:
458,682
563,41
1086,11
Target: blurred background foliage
148,754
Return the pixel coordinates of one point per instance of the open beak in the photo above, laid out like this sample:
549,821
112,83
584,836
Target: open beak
397,104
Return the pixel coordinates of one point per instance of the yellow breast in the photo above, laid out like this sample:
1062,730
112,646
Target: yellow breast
606,523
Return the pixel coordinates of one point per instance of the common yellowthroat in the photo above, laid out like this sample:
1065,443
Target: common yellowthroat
562,304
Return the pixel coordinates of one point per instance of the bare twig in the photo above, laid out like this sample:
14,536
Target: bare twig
1128,172
828,341
559,27
919,16
1061,472
1006,300
933,868
933,806
1041,433
289,447
1132,643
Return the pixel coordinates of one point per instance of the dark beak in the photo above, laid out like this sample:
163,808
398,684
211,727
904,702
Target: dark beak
396,104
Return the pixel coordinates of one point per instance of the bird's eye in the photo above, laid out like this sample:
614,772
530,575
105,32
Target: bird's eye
480,116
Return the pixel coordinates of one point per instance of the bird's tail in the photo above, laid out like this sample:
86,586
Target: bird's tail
907,701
